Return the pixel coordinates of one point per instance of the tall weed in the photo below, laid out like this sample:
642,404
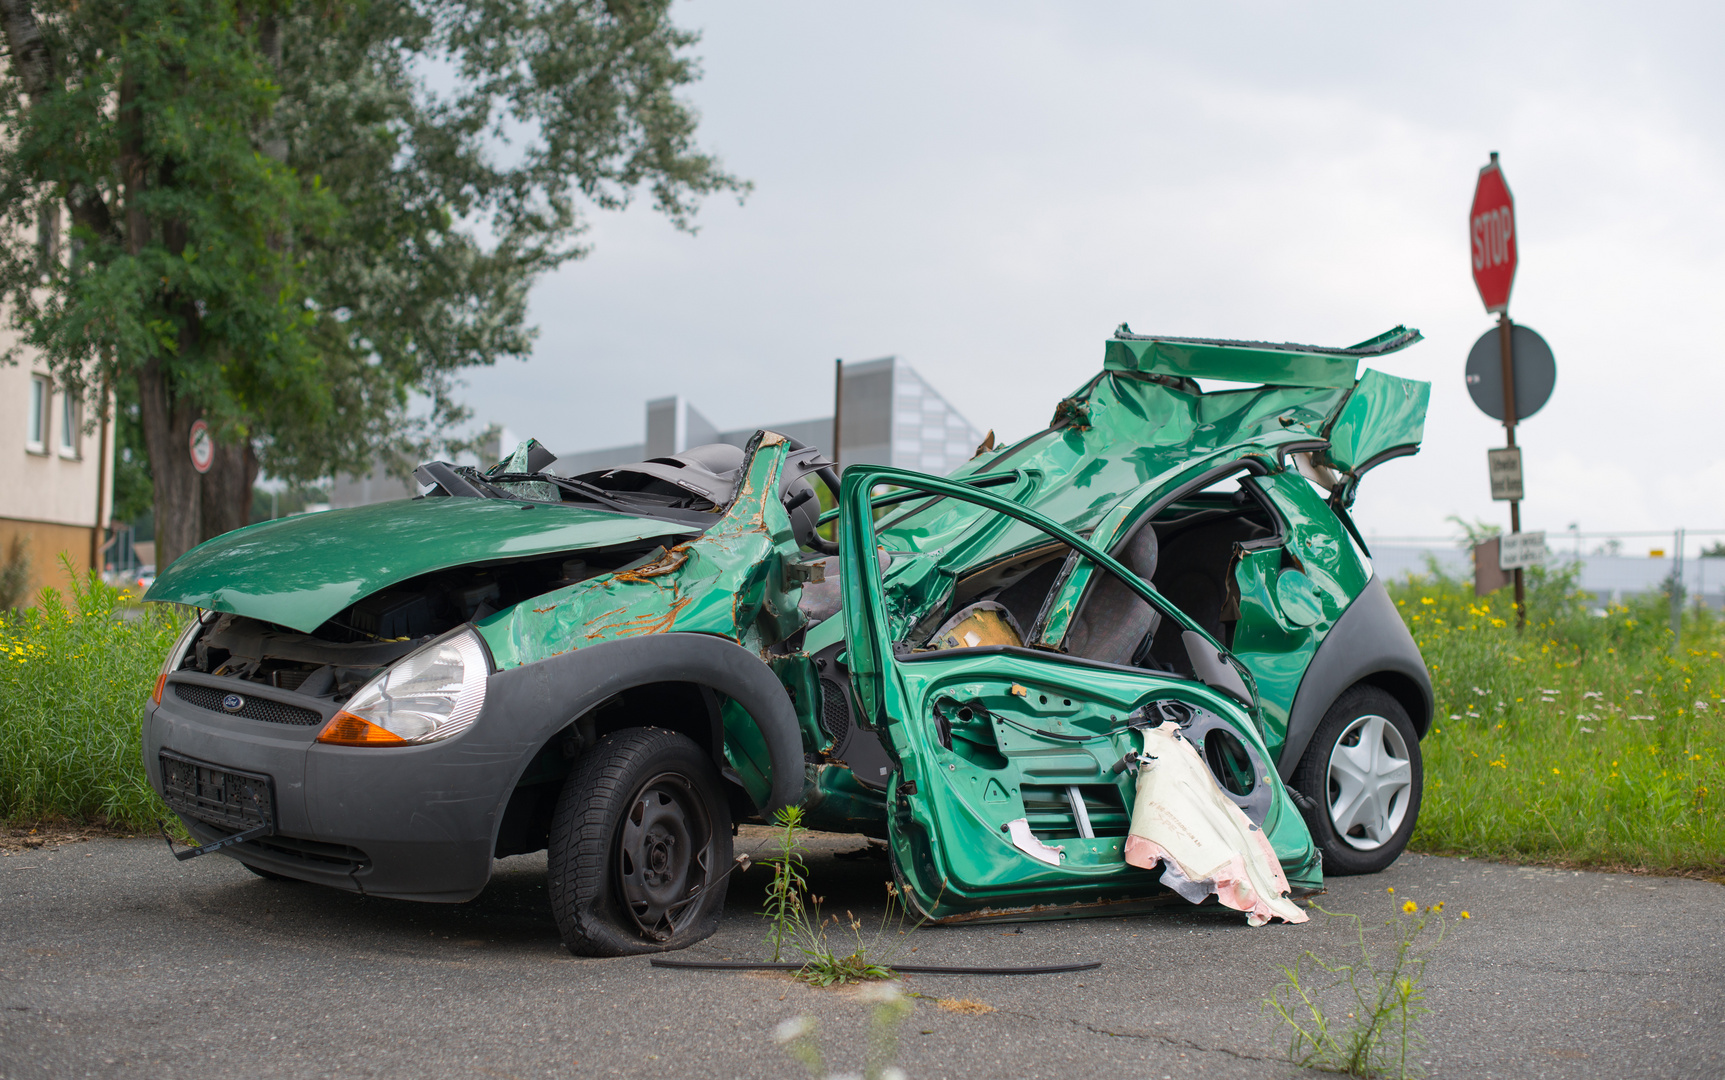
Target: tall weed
1585,739
1383,999
74,677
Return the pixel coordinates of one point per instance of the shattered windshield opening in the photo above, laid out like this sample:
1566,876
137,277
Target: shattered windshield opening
465,481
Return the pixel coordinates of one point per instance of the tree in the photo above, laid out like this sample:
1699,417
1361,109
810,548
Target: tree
282,225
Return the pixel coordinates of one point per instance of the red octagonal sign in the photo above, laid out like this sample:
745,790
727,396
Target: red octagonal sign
1491,228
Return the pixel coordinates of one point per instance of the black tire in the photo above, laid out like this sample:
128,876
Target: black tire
1362,848
640,846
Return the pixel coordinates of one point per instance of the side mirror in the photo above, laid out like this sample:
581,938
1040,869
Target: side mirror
1214,669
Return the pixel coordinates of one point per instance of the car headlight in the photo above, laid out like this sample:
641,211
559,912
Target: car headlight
177,656
429,694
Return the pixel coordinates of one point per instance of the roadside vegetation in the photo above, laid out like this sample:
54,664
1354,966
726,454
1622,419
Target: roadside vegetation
74,675
1586,740
1362,1015
794,919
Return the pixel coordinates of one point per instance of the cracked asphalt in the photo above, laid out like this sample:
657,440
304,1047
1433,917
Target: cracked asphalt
116,961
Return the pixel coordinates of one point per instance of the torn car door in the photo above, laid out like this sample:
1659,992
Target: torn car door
1383,418
1011,796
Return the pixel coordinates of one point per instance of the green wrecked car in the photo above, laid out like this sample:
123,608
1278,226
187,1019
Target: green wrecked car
1138,655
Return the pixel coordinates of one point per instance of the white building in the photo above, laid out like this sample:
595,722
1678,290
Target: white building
890,416
57,494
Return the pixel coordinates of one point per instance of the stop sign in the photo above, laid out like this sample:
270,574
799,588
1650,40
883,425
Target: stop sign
1491,228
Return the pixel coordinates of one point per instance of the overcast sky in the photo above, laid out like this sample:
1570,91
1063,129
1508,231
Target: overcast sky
988,189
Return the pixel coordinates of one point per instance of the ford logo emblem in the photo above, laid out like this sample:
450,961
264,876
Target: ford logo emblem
233,703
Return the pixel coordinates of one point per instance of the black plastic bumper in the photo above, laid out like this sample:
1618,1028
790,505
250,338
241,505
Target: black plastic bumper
421,822
415,822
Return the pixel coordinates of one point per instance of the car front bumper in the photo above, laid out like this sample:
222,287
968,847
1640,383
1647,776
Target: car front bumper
411,822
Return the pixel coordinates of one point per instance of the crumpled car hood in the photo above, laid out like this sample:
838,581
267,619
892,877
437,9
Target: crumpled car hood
299,571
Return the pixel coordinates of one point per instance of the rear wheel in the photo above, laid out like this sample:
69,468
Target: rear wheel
1362,773
640,846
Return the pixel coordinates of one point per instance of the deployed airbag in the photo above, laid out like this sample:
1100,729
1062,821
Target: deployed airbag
1204,842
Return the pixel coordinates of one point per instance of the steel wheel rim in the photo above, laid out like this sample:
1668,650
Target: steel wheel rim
663,852
1370,780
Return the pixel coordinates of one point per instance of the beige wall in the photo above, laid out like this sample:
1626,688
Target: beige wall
43,544
48,491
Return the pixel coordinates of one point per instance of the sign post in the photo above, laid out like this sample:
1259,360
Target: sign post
1491,225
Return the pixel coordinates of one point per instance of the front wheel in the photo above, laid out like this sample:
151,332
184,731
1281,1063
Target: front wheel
640,846
1363,776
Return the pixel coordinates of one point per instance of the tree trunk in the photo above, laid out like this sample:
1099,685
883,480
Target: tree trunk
167,423
27,50
226,499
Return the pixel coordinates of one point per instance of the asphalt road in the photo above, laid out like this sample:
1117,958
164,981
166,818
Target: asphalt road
117,961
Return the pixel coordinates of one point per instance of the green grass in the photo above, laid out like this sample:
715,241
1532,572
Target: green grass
74,676
1582,741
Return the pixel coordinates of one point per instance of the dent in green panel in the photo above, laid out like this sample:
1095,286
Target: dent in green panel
728,581
797,673
746,750
1315,538
1382,414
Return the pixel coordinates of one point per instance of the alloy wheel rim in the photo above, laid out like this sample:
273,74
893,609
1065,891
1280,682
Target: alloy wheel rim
1370,781
663,853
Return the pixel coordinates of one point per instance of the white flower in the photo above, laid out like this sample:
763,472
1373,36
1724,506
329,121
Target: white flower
793,1029
879,993
1701,706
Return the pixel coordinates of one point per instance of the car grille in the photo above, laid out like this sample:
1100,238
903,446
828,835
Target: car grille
835,711
254,708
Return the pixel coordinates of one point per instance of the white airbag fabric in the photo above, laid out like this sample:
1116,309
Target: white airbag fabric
1205,843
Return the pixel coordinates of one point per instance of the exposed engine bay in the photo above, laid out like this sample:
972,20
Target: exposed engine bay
338,657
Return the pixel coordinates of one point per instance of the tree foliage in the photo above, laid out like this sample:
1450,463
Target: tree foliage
299,222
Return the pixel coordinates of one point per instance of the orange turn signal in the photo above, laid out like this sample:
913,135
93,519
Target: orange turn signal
347,729
161,683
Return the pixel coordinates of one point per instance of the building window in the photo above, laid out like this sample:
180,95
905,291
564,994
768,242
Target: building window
71,425
36,440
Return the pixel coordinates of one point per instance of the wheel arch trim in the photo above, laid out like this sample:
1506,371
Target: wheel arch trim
559,690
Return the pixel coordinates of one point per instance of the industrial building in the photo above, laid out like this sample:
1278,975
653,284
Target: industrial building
889,415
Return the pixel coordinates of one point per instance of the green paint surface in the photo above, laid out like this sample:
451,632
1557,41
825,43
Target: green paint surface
299,571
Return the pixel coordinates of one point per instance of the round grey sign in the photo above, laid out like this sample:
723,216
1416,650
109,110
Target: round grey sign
1535,372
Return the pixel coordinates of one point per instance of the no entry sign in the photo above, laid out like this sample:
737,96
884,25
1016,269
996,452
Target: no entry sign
1491,231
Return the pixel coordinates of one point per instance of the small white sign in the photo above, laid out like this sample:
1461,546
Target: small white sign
1521,549
1505,473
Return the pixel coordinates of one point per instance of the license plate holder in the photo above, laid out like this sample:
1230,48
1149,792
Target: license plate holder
218,795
